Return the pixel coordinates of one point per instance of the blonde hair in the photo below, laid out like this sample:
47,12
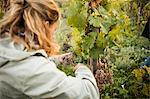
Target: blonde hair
25,23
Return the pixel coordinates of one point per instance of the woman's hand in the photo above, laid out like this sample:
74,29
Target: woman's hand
67,59
63,58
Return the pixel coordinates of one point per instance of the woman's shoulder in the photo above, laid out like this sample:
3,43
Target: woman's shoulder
14,58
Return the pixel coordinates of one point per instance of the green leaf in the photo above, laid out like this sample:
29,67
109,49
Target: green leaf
101,41
102,10
95,52
95,21
89,41
77,15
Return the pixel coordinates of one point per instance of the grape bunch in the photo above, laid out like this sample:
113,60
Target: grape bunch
103,74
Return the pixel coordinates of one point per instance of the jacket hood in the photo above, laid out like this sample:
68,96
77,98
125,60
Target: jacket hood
10,51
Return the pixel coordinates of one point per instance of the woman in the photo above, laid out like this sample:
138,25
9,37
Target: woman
26,43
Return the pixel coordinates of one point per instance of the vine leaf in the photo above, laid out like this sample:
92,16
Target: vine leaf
89,41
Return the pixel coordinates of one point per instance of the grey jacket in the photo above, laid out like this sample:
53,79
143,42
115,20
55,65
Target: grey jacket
23,75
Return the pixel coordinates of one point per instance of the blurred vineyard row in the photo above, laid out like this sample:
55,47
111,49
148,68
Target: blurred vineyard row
106,36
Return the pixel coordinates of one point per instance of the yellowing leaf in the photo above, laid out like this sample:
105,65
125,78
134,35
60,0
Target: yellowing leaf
148,69
138,73
146,89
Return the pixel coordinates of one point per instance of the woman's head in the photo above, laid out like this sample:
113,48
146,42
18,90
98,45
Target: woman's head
32,23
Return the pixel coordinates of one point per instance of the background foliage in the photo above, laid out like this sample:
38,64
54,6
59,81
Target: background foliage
110,29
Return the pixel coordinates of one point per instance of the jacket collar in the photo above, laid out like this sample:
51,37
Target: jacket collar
15,52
